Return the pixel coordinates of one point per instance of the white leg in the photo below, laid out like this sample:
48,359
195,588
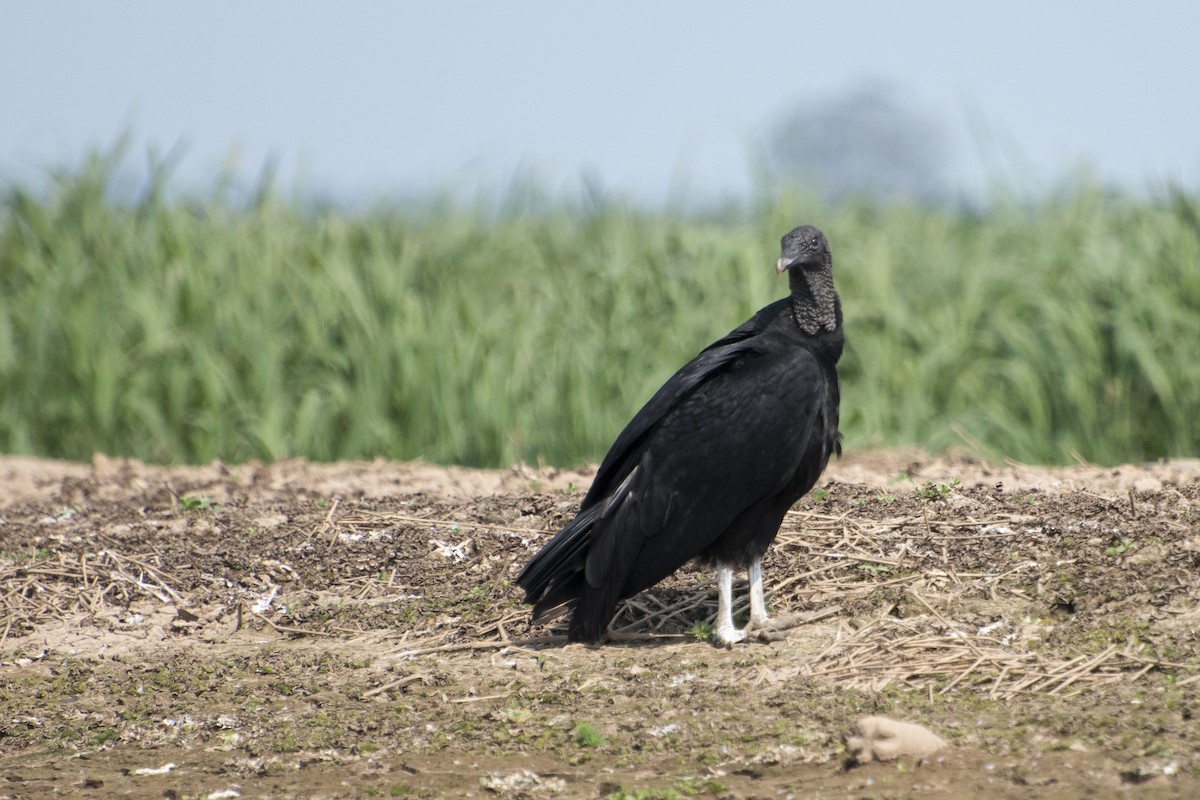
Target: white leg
726,634
758,604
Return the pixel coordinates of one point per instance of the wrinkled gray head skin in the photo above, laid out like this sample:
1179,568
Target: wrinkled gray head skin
803,247
804,255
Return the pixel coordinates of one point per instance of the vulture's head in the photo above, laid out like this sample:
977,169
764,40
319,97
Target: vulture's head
803,248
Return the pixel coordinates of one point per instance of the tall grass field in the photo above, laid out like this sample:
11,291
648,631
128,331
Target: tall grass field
174,328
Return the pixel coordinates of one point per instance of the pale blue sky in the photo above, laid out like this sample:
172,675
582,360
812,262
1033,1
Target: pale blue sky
370,97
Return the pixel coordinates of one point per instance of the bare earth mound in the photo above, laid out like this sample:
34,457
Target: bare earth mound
349,630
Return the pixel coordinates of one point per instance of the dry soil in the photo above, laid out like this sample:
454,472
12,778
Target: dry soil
351,630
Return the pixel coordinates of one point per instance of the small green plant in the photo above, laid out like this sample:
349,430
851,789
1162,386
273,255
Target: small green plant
702,630
288,744
820,495
193,503
932,491
587,735
517,715
18,557
404,790
646,794
1120,547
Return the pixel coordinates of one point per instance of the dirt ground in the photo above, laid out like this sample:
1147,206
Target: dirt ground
350,630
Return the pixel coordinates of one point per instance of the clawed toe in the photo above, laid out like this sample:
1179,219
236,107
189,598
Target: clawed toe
729,637
774,628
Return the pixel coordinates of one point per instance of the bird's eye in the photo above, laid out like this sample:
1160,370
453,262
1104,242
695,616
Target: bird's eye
814,241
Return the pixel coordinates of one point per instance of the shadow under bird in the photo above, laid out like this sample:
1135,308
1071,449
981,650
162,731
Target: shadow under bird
710,465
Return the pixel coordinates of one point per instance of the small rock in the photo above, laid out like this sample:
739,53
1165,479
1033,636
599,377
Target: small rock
163,770
664,730
522,783
883,739
1147,485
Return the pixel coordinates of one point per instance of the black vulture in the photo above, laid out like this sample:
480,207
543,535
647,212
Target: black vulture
710,465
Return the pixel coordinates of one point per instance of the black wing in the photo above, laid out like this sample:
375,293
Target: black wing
732,446
550,579
629,446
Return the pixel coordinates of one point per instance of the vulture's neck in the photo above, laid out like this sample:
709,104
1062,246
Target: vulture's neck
815,303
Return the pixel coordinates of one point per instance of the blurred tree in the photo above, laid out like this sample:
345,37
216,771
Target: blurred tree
862,142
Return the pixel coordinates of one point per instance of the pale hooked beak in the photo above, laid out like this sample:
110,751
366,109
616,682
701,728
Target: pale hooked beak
781,266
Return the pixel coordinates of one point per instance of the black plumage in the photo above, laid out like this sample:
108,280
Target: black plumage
711,463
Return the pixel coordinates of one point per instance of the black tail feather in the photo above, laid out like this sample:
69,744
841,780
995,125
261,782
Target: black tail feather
553,579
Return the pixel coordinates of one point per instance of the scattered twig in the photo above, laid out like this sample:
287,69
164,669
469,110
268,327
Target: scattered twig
486,645
399,683
374,517
478,699
326,525
289,628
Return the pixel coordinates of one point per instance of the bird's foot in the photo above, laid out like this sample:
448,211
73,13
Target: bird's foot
728,637
777,628
774,629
